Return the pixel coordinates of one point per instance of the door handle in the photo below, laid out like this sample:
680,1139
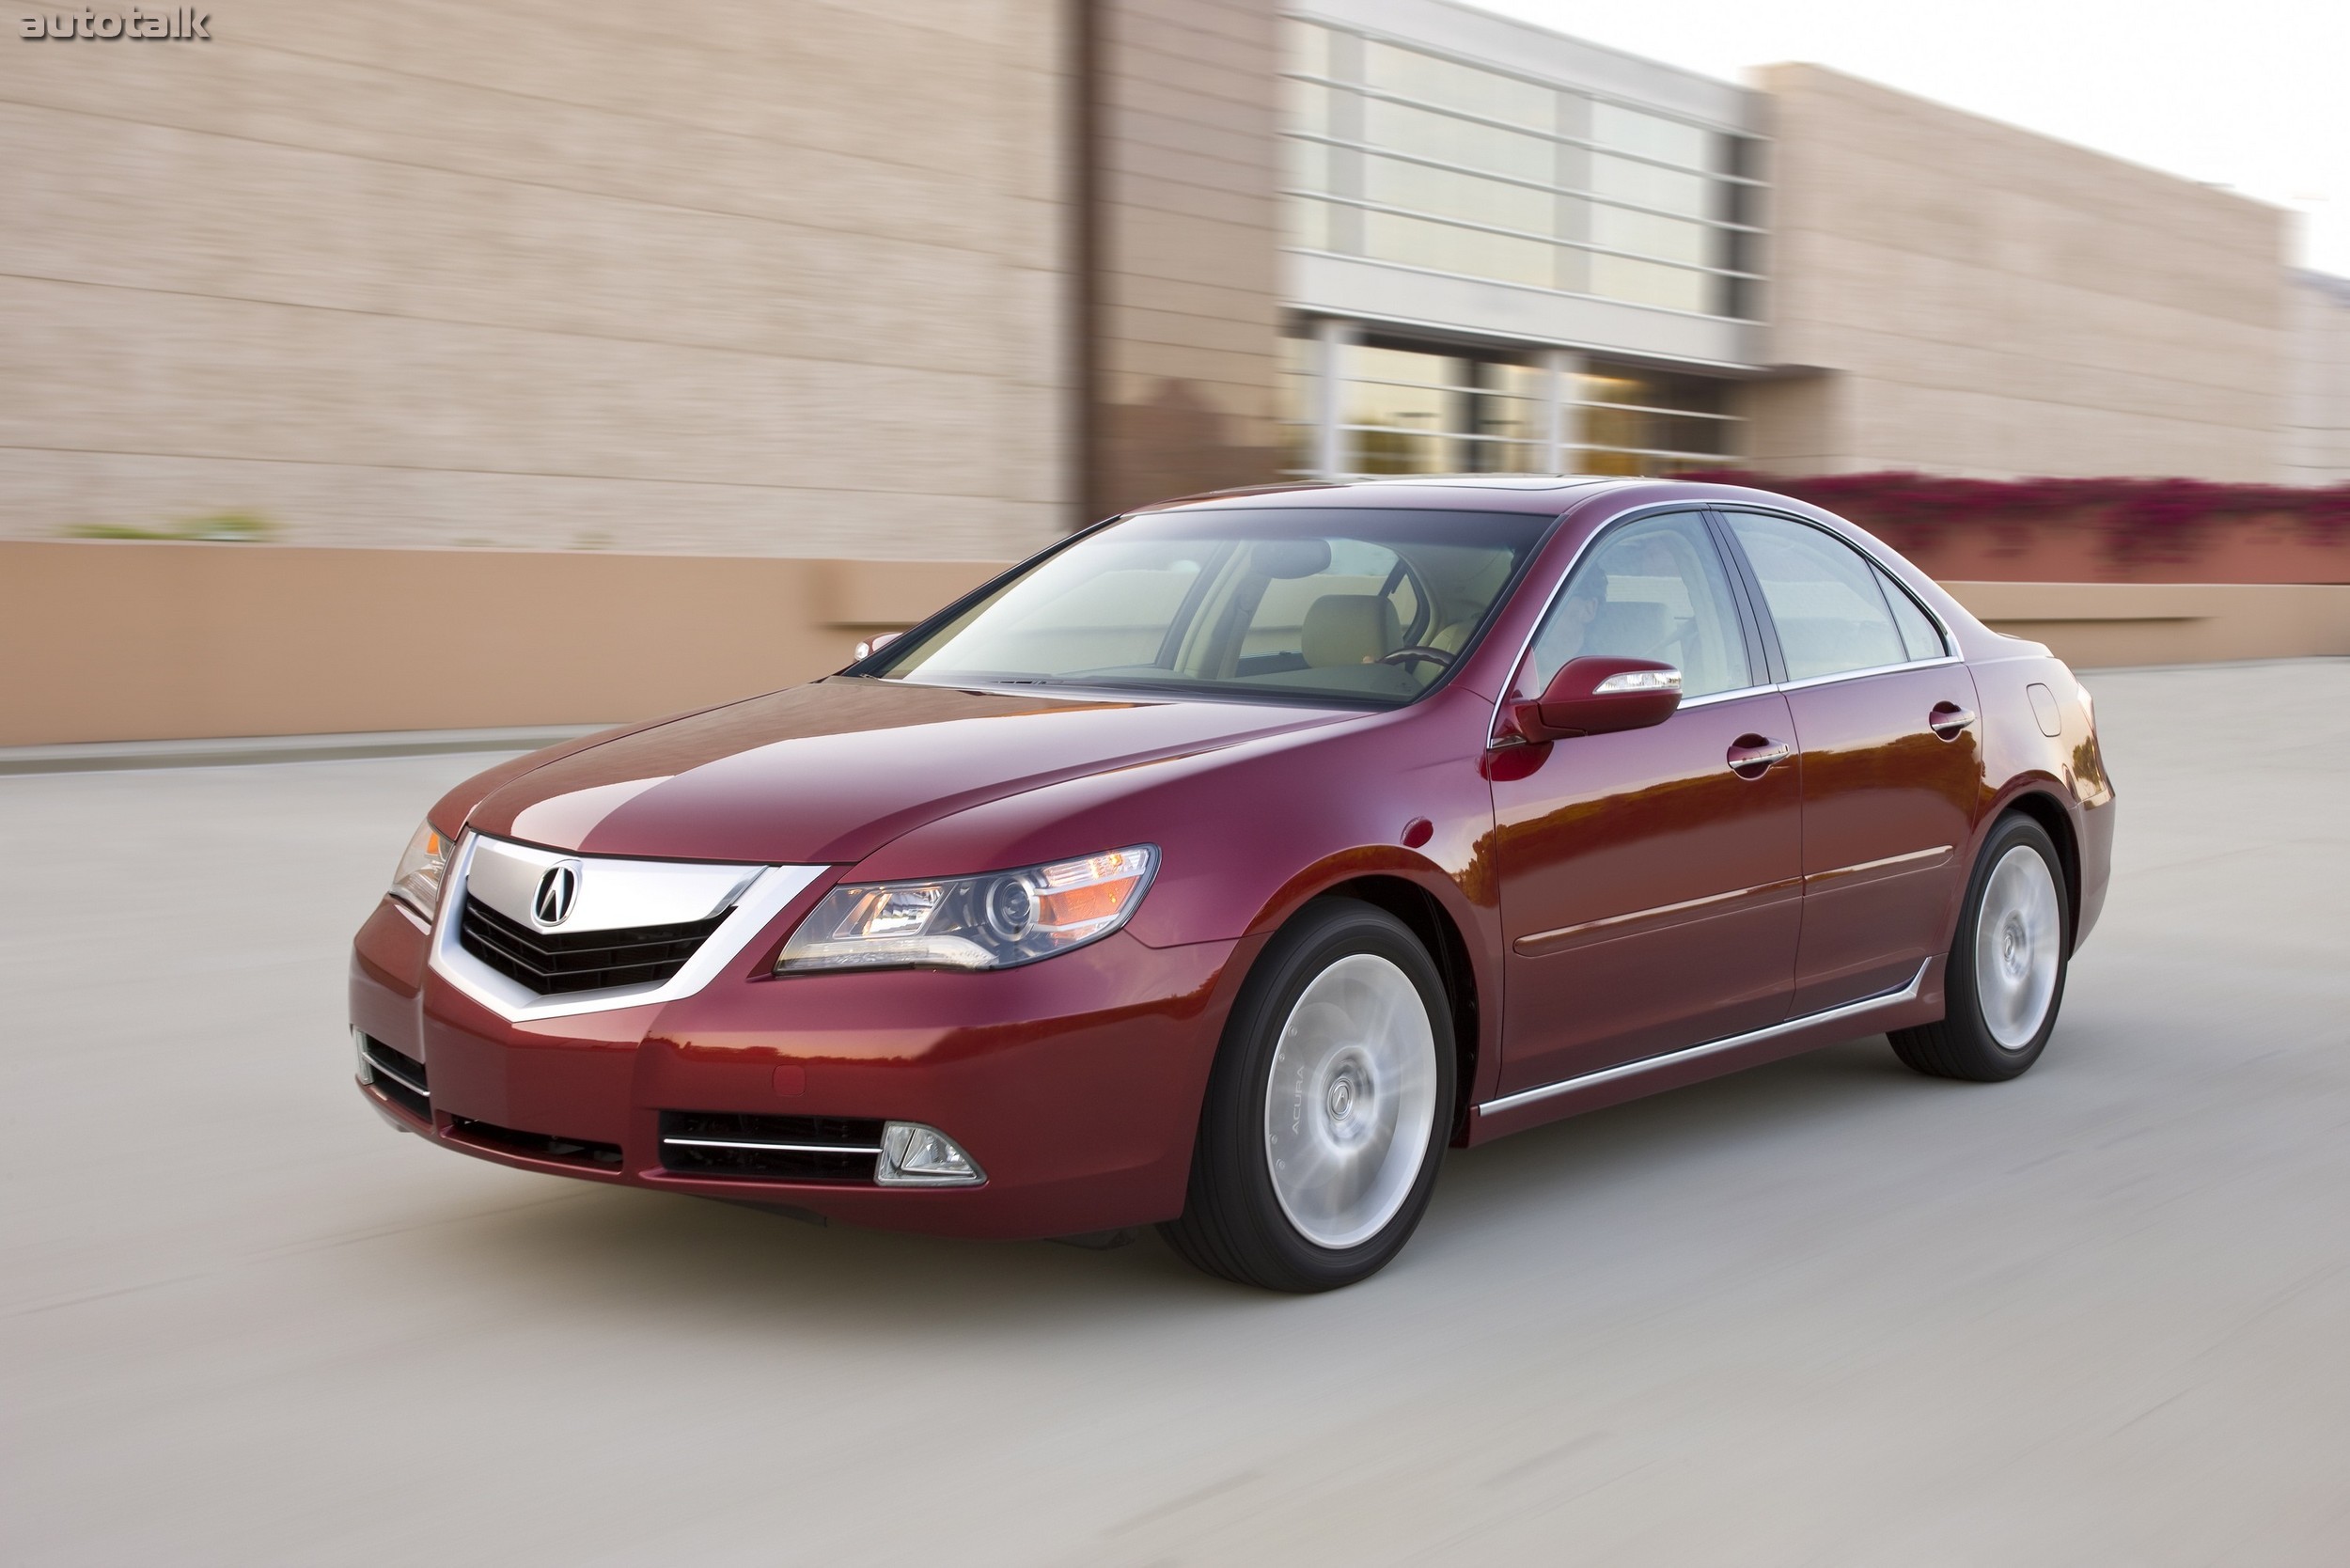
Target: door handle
1949,720
1751,756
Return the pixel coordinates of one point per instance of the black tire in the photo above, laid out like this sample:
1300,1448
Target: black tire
1233,1222
1964,1042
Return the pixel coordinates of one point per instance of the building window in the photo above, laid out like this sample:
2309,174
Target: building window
1357,405
1640,421
1408,411
1402,155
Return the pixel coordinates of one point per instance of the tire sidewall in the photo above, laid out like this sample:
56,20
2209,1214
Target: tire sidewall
1319,937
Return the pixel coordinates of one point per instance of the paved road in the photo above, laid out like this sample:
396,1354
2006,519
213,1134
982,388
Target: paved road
1824,1314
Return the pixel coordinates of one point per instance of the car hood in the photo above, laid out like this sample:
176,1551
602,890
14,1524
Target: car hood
829,772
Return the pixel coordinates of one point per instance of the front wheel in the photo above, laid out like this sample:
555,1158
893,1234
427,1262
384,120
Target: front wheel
1328,1109
2006,975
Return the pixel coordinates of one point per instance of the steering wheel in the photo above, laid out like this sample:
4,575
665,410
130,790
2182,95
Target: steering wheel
1437,656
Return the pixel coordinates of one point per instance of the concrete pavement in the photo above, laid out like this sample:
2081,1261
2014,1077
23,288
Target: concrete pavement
1824,1313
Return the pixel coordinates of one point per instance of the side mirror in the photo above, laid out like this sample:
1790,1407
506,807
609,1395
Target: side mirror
875,644
1598,696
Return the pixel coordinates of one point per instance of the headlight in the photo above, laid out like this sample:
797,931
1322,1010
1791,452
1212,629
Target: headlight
974,922
422,864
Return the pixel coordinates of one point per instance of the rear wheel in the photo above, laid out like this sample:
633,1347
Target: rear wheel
2005,979
1328,1108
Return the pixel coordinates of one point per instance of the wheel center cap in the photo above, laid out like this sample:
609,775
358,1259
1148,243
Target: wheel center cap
2012,944
1341,1097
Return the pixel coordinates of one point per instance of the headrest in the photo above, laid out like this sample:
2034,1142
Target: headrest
1348,629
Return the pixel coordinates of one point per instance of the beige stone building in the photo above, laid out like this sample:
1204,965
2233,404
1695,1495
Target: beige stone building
1958,296
737,278
2317,403
899,279
1512,249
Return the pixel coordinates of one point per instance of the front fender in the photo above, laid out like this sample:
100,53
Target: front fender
1249,833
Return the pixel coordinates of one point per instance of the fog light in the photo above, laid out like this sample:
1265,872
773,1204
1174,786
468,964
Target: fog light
367,1068
913,1155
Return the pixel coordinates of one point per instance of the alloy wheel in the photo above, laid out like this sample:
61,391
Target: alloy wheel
1350,1100
2019,936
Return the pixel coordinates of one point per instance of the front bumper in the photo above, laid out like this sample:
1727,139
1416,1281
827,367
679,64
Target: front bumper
1075,1083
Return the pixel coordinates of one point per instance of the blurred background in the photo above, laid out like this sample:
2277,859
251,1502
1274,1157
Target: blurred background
421,366
404,377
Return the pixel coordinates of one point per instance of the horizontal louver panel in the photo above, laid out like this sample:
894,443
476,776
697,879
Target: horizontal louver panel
399,1078
769,1147
553,962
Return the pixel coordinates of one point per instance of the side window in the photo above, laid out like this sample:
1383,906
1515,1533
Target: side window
1656,588
1823,598
1918,631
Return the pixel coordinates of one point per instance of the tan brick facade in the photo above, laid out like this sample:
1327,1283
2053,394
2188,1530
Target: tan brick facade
2317,410
1958,296
1183,286
747,279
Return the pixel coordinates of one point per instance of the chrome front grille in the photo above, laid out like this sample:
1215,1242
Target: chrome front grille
732,1145
532,933
551,962
397,1077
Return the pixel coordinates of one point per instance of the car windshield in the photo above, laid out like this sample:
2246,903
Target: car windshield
1298,604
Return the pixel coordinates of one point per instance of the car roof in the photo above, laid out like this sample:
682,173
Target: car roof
1543,493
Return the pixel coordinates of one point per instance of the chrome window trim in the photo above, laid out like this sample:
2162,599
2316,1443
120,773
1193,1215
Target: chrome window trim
1697,1053
768,892
1734,693
1810,680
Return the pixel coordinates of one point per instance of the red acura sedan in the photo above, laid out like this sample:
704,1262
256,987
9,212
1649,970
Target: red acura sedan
1221,865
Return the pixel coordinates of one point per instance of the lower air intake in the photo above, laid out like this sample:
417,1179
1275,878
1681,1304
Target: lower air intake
538,1146
732,1145
396,1075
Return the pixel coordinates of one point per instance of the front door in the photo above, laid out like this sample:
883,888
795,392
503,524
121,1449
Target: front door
1892,765
1651,879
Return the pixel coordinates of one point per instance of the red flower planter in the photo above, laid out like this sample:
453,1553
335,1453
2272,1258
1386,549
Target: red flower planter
2088,530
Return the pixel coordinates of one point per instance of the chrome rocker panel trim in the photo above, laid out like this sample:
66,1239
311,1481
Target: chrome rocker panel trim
1712,1047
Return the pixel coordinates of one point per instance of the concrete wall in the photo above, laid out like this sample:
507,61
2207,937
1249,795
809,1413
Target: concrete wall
1955,295
2106,625
151,641
141,641
1184,281
2317,409
773,278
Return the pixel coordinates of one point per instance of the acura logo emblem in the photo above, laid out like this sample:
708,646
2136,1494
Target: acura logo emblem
557,891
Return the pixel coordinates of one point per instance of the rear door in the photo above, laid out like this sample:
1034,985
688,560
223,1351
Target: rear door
1649,888
1892,760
